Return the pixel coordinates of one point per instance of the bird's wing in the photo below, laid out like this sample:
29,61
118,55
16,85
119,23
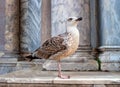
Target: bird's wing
51,47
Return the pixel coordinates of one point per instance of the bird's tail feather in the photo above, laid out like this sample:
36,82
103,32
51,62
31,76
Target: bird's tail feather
29,56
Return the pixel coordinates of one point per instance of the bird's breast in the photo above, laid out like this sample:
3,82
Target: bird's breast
72,42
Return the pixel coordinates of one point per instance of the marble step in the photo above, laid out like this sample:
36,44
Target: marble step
36,76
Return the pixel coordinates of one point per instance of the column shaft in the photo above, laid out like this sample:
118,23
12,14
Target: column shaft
11,28
30,25
2,25
46,20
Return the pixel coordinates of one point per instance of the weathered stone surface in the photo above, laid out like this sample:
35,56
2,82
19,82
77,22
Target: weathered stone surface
83,66
50,77
110,66
30,25
110,57
12,26
10,65
9,41
110,54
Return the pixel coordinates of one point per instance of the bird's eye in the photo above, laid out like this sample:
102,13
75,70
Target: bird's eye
70,19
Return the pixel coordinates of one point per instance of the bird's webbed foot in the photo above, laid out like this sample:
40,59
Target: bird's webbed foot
63,76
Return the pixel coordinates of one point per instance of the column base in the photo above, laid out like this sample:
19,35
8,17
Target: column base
110,58
4,54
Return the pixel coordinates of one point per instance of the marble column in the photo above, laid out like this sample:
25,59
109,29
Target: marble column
2,27
60,11
11,32
9,35
46,20
30,25
110,34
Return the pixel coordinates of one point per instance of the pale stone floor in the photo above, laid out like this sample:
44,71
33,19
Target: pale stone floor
35,75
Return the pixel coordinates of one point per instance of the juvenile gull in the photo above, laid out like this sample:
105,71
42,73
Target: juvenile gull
60,46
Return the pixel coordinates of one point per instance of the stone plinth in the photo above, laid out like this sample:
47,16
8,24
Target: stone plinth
110,58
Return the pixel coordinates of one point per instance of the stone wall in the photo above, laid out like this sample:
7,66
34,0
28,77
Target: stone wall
25,24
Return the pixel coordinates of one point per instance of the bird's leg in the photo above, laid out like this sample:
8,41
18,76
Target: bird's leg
59,72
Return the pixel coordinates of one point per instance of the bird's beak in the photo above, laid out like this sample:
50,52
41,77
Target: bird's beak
79,19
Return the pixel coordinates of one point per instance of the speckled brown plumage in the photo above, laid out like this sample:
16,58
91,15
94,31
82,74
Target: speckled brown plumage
50,47
54,47
60,46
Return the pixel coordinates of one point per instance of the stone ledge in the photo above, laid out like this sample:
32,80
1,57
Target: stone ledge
34,75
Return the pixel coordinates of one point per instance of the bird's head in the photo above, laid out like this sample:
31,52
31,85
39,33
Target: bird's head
73,21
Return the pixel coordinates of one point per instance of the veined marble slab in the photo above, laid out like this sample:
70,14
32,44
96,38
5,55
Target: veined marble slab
30,25
110,22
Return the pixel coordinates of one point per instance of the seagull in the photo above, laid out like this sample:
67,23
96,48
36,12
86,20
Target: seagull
61,46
